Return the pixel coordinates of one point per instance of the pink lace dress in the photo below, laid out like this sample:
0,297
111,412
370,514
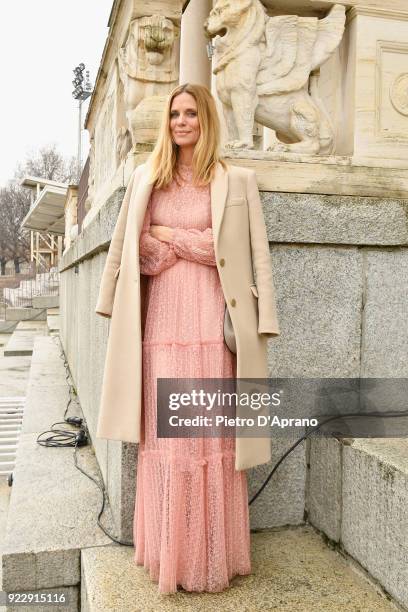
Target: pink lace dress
191,522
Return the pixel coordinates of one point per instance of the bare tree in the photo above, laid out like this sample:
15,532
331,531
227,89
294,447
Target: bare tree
14,240
49,164
15,201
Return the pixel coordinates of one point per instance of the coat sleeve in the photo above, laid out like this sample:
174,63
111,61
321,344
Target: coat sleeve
261,259
107,286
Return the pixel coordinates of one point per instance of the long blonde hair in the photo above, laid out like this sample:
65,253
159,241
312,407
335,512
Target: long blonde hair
163,159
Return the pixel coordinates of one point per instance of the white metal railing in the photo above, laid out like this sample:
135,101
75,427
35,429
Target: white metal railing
11,418
44,283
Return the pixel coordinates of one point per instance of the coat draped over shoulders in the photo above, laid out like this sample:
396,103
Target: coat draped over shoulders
245,270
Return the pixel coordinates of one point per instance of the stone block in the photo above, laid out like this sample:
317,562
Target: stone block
384,320
318,292
323,498
374,516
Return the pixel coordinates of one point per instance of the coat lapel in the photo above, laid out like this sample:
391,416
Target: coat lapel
218,193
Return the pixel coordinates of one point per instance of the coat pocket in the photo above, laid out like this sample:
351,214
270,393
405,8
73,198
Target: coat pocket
117,272
254,290
239,201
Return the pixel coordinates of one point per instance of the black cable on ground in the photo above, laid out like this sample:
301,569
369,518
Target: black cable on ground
62,438
316,428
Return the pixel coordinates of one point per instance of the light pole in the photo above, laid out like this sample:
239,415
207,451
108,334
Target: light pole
80,93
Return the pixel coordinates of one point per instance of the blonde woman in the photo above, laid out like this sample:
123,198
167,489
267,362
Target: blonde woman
191,230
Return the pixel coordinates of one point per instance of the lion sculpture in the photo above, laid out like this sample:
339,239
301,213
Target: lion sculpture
263,73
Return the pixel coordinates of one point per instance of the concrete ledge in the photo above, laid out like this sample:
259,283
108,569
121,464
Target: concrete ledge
53,506
310,218
97,235
22,340
375,510
306,218
46,301
292,569
340,174
7,327
53,320
21,314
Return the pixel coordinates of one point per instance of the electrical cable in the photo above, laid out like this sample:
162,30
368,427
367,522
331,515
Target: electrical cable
333,434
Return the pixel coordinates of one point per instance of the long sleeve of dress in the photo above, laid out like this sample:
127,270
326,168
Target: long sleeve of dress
154,255
194,245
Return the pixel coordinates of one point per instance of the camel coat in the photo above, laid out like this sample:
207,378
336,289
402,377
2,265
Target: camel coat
242,253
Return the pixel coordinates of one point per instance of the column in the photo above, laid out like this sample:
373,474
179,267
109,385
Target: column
195,67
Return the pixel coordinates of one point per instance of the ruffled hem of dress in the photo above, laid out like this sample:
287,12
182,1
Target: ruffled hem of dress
185,587
178,343
188,461
203,558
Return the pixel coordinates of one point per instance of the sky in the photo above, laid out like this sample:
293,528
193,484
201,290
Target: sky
40,44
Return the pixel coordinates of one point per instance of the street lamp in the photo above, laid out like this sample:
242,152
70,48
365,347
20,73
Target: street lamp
80,93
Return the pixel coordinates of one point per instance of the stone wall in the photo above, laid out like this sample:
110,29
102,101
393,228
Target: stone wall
337,222
341,274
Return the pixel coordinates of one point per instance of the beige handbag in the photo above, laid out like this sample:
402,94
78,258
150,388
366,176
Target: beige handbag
229,335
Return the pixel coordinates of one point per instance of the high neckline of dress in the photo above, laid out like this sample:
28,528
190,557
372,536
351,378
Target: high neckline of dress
184,166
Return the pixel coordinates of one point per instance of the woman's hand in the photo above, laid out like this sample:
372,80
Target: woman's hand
161,232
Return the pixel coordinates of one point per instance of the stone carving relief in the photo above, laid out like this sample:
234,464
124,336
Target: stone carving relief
267,71
399,94
148,68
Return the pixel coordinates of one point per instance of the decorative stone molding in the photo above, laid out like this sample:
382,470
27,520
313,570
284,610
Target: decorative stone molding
383,13
267,71
331,174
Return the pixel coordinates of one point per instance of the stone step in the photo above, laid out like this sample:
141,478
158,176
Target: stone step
21,313
8,434
20,343
12,400
7,327
11,415
53,310
8,456
358,496
22,338
45,301
53,320
6,423
292,569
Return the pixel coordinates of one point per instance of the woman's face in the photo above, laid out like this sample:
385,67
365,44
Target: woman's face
184,125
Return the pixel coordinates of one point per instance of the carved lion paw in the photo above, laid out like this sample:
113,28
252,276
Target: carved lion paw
239,144
279,147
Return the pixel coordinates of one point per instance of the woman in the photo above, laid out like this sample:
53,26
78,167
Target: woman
191,523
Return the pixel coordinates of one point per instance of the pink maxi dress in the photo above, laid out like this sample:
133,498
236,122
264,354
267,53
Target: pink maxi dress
191,521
